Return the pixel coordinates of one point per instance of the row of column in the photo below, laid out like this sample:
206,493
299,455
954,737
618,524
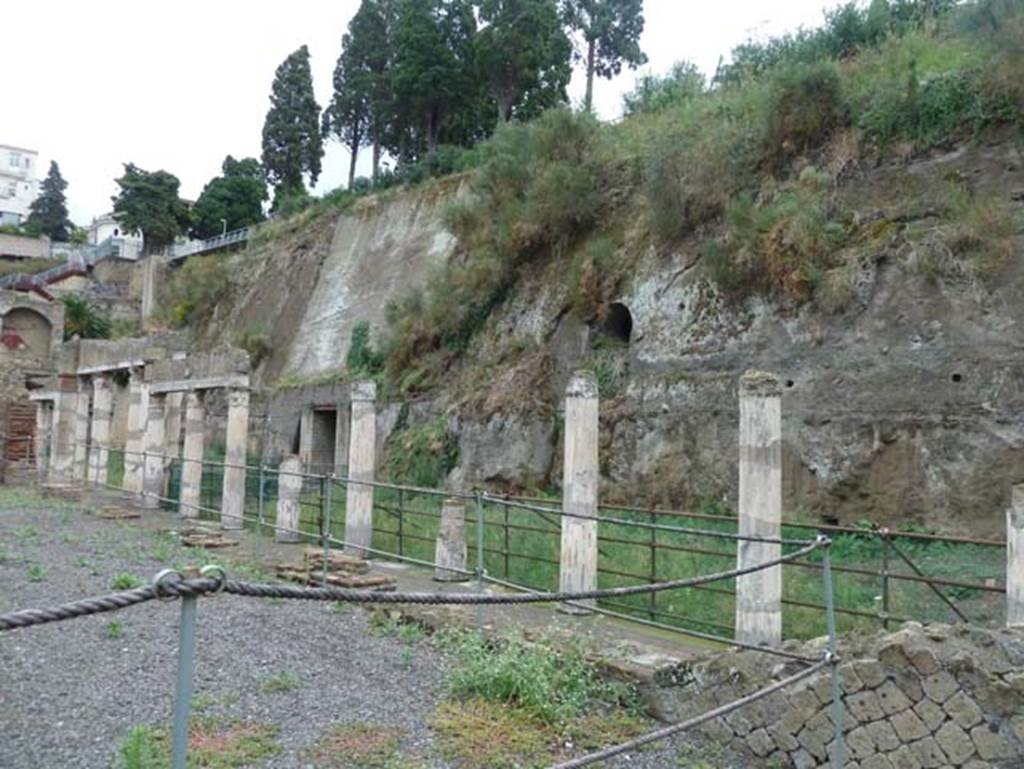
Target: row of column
74,430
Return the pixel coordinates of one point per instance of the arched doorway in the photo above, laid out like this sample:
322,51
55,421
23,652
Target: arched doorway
26,331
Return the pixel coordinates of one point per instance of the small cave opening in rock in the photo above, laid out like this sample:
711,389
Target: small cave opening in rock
618,323
957,378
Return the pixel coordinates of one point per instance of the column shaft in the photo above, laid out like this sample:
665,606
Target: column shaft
1015,557
233,499
192,455
153,468
759,595
102,411
361,461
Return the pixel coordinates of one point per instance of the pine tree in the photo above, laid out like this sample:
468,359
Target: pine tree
523,53
48,214
149,203
292,145
611,32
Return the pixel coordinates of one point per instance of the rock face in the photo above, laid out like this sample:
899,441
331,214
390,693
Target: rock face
907,405
920,697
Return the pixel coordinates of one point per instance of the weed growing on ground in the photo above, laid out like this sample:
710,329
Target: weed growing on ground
358,746
35,572
115,629
213,744
340,607
284,681
125,581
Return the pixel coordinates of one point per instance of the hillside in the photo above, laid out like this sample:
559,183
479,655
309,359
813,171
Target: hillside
850,219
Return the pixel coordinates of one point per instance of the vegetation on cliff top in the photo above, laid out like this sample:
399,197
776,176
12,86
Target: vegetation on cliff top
749,170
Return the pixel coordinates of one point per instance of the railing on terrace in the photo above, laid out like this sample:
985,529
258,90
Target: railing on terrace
193,247
886,576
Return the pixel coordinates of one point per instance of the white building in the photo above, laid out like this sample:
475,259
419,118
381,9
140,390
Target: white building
106,227
18,184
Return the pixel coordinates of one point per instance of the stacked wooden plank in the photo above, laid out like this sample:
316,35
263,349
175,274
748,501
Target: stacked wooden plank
342,571
117,513
209,539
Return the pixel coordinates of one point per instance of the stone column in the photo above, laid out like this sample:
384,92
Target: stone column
341,428
102,410
759,595
62,431
138,408
44,423
1015,557
289,490
192,455
232,505
153,469
306,438
580,476
450,550
172,436
149,272
362,453
82,405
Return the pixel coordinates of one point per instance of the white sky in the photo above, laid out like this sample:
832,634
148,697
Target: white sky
97,83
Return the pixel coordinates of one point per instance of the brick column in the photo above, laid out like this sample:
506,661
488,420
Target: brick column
759,595
580,476
233,499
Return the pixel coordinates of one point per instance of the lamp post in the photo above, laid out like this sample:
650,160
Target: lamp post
224,227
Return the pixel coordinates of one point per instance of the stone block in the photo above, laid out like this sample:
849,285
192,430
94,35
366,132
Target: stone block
931,714
884,736
718,730
909,726
940,686
877,761
812,743
849,680
991,745
892,699
739,723
760,743
865,706
860,744
955,743
924,660
903,758
803,705
783,737
963,710
870,673
821,685
928,752
803,760
908,682
976,764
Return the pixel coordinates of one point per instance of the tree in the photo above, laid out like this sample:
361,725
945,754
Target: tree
611,32
432,75
48,214
656,92
230,201
83,319
523,49
292,145
149,203
357,114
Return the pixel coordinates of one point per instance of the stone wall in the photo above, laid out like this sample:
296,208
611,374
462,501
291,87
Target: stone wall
921,698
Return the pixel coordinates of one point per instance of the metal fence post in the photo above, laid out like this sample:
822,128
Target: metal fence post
839,747
507,544
652,598
479,558
259,515
401,522
328,483
183,690
885,577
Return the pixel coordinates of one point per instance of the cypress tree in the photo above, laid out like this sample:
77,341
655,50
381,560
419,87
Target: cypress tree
49,212
292,145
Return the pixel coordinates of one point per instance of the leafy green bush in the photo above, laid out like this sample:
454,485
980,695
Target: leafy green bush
806,107
654,93
84,319
256,342
362,360
421,455
190,294
552,684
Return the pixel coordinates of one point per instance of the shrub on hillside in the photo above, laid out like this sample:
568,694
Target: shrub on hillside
190,294
806,107
362,359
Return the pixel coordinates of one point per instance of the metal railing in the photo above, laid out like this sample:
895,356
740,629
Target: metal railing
193,247
889,576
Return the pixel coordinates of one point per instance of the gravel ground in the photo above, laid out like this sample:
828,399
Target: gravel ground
71,691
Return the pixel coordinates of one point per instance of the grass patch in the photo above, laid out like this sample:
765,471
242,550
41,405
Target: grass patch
115,628
126,581
212,744
358,746
284,681
421,455
35,572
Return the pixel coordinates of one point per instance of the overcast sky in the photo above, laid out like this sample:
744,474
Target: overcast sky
97,83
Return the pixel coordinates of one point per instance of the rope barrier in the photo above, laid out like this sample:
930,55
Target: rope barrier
199,586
